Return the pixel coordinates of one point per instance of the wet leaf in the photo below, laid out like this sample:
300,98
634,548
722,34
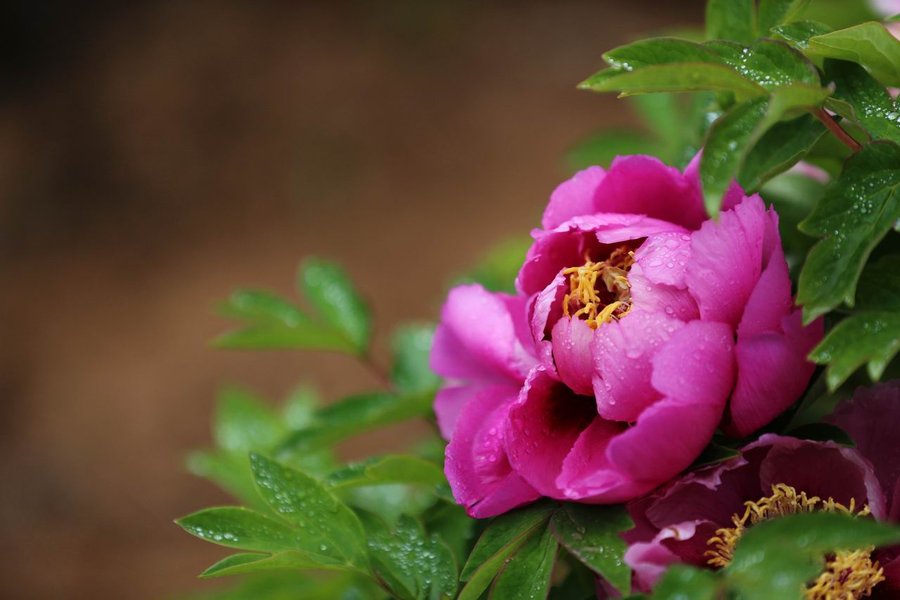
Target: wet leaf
241,528
776,12
676,77
780,148
730,20
858,97
591,534
387,469
410,371
336,300
526,575
855,214
325,526
869,44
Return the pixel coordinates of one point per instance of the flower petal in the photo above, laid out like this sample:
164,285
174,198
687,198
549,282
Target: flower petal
870,417
822,469
772,373
770,299
477,466
644,185
543,425
696,365
622,354
571,342
573,197
664,257
727,260
477,338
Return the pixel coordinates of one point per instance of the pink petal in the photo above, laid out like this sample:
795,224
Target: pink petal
726,262
661,298
587,460
772,373
543,425
477,338
650,560
477,467
770,299
644,185
573,197
696,365
664,257
572,354
622,355
449,403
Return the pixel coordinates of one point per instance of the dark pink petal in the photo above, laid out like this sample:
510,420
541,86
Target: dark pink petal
772,373
644,185
872,419
572,354
622,354
477,338
770,299
649,560
666,439
822,469
449,403
727,260
587,461
573,197
664,257
546,307
543,424
696,365
569,244
477,466
661,298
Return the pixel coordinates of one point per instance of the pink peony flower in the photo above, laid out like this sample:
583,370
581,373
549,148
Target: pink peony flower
698,518
645,326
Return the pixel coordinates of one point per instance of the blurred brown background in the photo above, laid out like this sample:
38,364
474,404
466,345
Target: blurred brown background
156,154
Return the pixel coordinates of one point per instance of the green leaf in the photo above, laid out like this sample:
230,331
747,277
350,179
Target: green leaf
676,77
237,527
789,551
769,63
798,33
355,415
450,521
869,44
731,20
331,292
526,575
591,534
683,582
780,148
856,212
414,565
503,537
325,526
410,371
776,12
860,98
879,285
238,564
300,407
658,51
243,422
275,323
387,469
870,337
725,143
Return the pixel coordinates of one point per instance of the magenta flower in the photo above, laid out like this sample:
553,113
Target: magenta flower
646,325
698,518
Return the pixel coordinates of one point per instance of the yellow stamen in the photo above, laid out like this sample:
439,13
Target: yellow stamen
848,574
612,301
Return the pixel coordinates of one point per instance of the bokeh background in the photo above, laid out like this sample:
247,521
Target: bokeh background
156,154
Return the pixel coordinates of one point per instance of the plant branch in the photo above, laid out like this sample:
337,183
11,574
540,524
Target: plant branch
836,129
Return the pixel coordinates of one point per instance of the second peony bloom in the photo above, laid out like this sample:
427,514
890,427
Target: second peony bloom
640,326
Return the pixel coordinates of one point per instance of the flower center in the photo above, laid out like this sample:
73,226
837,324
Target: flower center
849,574
599,291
